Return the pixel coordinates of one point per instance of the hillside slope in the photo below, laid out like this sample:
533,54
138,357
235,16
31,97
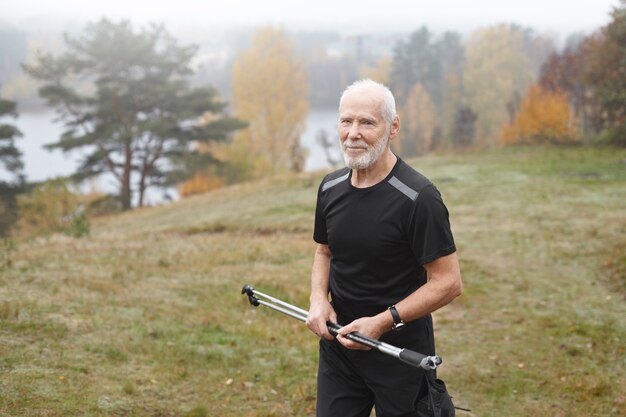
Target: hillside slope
145,316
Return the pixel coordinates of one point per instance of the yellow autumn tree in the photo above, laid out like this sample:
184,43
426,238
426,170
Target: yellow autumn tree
543,117
496,69
270,89
419,121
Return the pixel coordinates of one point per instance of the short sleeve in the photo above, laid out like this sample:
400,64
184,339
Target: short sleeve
320,233
429,227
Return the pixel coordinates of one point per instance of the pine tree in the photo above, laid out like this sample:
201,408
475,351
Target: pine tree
126,103
11,160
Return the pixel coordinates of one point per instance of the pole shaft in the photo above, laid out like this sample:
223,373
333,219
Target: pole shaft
408,356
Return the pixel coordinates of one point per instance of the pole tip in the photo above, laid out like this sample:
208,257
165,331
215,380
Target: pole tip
247,289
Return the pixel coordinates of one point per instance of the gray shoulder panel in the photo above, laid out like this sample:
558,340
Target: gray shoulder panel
334,182
403,188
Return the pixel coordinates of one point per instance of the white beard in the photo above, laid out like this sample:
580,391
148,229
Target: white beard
371,156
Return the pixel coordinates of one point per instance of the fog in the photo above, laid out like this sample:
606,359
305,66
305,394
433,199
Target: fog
348,16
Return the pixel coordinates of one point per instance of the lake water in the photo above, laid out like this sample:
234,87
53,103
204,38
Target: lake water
39,129
40,164
320,119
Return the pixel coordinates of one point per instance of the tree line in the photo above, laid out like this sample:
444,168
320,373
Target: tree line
128,100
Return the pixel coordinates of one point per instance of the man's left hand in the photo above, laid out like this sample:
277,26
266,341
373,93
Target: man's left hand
372,327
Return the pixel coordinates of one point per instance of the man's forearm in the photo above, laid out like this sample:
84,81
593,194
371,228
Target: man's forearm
444,285
320,274
320,311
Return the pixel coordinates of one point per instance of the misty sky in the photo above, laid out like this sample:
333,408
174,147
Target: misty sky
562,16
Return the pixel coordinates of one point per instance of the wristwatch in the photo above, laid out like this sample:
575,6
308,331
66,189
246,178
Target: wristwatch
398,324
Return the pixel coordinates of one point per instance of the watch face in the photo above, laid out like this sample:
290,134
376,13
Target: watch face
398,326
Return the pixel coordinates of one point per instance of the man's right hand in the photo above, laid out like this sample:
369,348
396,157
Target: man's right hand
320,312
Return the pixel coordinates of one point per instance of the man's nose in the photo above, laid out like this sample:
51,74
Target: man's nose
354,131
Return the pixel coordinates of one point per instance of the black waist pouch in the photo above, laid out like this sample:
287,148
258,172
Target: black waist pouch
436,402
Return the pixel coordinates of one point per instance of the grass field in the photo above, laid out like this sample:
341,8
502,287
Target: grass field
145,316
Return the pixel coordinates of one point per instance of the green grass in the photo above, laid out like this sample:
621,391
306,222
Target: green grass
145,316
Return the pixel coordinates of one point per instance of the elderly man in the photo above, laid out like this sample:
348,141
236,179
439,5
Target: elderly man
385,256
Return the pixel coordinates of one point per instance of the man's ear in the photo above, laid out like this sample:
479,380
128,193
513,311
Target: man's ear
395,127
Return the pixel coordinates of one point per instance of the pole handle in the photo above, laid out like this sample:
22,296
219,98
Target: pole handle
418,360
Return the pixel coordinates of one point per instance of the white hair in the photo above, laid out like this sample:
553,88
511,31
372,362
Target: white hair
388,104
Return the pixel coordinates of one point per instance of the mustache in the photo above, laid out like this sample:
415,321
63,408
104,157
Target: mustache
355,144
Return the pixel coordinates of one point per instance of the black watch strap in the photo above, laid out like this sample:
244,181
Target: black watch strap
397,321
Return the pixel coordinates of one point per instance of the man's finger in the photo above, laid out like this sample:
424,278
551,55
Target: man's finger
350,344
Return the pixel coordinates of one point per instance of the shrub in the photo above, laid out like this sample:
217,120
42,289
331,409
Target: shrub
51,207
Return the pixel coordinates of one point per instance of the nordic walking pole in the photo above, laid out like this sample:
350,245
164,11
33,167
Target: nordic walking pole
411,357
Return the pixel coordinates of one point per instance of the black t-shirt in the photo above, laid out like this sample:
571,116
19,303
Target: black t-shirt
379,238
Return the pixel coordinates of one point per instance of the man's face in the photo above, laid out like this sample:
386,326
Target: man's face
363,132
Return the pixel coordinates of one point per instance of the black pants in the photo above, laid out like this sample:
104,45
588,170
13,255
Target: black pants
351,382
